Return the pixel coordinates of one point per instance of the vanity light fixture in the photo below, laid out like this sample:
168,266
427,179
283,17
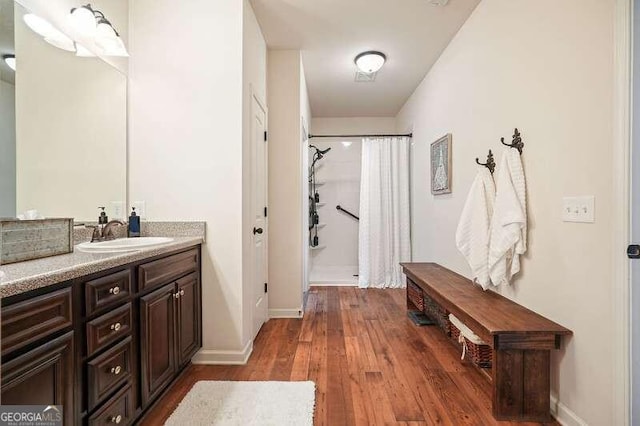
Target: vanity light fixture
92,23
10,60
370,61
50,34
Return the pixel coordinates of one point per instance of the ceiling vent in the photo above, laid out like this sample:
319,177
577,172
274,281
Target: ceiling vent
364,77
438,2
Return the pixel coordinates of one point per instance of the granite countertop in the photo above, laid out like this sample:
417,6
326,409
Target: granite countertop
21,277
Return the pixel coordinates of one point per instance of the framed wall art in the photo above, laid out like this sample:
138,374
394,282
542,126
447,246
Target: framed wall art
441,165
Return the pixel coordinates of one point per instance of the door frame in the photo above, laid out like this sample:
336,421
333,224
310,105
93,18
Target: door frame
621,204
263,105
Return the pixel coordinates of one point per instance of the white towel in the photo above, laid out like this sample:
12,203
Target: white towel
472,235
508,240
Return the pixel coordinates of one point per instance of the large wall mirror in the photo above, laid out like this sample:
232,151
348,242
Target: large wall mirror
63,110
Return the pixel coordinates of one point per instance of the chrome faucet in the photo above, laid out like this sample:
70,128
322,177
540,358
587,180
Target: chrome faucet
105,233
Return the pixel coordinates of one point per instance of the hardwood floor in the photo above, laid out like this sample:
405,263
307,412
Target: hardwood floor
371,365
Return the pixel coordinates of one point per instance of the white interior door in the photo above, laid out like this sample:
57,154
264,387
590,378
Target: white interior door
259,212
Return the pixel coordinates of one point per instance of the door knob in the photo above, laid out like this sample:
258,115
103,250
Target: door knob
257,231
633,251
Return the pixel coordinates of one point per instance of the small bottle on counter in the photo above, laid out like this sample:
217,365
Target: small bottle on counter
134,224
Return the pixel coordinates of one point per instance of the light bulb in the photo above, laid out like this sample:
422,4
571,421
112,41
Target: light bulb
83,20
370,62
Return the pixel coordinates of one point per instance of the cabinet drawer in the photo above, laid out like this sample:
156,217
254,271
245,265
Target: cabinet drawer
165,270
108,371
30,320
119,410
108,328
106,291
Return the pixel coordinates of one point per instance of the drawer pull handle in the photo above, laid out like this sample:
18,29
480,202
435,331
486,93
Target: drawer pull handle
182,292
114,290
116,419
116,370
176,295
116,326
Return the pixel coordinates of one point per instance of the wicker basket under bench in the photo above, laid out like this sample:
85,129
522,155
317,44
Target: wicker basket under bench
520,340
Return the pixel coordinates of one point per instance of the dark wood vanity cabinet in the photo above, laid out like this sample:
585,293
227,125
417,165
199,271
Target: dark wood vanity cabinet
104,346
42,376
169,332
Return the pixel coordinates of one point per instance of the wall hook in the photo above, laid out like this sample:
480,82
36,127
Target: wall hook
490,164
516,142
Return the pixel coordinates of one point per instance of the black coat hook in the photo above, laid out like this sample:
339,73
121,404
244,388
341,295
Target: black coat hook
516,142
490,164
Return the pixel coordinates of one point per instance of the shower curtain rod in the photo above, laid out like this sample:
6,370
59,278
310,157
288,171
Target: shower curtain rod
408,135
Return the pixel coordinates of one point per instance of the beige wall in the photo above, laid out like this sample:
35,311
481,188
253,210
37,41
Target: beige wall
547,68
285,186
254,72
352,125
186,159
71,118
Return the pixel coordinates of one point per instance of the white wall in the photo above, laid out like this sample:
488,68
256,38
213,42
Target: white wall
7,150
71,123
286,275
547,68
186,154
254,84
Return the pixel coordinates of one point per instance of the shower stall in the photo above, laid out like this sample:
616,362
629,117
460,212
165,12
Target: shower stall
334,180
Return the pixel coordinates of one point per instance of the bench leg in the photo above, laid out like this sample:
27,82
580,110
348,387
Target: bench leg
521,385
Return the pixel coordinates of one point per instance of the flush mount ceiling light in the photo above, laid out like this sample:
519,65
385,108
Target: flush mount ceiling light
10,60
51,35
371,61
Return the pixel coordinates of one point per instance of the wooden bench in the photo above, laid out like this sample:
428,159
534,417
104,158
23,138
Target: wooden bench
521,340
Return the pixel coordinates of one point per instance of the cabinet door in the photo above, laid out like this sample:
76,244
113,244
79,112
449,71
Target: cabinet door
157,340
188,325
42,376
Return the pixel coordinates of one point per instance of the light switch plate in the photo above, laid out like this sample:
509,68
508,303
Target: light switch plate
579,209
141,208
117,210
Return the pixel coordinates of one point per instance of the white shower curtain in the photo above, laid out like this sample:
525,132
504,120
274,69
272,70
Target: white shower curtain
384,239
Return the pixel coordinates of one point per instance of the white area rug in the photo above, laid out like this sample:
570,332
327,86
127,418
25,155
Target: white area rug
246,403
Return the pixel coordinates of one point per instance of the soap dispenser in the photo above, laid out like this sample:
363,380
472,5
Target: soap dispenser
103,219
134,224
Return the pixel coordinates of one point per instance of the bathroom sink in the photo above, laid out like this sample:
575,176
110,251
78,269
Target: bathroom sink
123,244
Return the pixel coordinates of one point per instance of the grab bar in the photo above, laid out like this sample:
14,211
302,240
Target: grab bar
347,212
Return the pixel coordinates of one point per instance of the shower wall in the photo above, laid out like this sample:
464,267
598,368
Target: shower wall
335,260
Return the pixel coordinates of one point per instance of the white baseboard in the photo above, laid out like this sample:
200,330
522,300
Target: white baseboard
205,356
332,284
564,415
286,313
